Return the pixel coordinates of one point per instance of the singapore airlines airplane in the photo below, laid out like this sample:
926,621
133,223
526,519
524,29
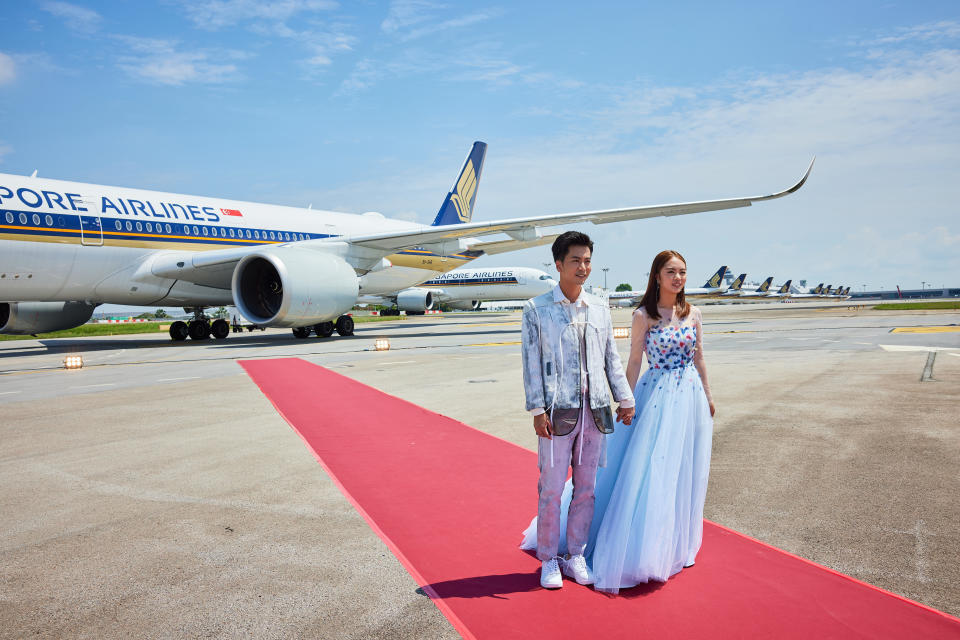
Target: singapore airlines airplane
467,288
66,247
760,292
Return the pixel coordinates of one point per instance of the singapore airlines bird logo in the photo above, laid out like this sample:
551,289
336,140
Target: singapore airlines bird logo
464,192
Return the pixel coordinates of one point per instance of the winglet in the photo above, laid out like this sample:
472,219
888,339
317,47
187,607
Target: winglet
795,187
457,207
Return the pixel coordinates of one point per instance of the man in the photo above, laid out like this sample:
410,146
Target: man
569,357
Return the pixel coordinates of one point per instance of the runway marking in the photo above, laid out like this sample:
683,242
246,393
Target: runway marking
177,379
7,393
910,347
87,386
493,344
398,362
947,329
732,331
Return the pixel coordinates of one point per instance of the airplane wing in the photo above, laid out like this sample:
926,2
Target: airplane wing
527,229
215,268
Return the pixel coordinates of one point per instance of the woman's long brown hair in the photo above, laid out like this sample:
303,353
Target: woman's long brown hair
652,295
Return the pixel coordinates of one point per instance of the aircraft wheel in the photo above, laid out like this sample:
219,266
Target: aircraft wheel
199,330
345,325
179,331
323,329
220,329
415,313
301,332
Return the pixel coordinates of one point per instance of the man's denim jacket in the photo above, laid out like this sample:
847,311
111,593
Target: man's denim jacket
549,340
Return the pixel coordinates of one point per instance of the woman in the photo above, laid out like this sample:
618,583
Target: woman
648,519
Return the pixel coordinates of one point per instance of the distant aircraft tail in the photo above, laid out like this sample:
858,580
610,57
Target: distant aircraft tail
457,207
817,289
738,282
827,290
763,288
899,293
716,278
786,287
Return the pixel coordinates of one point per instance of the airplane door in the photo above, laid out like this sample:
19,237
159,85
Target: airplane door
91,233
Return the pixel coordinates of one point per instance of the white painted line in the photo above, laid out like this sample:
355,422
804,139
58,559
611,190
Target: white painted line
863,343
7,393
87,386
177,379
399,362
908,347
953,354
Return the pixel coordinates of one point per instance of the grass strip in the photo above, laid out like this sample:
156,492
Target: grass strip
938,304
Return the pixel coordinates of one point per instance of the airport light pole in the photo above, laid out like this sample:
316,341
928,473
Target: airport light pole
605,269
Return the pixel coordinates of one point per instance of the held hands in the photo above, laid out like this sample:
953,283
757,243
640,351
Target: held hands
541,424
625,415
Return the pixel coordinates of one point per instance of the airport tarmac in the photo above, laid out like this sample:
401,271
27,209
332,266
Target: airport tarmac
156,492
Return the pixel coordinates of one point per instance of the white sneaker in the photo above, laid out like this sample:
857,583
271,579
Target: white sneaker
550,577
576,568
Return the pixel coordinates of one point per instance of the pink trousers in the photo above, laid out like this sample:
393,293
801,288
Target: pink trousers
582,449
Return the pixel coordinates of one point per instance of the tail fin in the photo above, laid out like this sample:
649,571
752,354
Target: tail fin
827,290
716,278
786,287
766,285
738,282
457,207
818,288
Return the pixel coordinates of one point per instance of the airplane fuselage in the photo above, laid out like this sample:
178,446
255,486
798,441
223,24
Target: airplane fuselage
72,241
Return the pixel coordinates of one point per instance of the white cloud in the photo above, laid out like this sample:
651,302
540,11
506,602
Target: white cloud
75,17
5,150
8,69
162,62
323,39
945,29
216,14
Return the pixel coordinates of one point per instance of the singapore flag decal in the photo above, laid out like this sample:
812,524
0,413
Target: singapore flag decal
231,212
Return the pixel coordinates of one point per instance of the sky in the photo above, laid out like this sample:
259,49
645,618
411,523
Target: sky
372,106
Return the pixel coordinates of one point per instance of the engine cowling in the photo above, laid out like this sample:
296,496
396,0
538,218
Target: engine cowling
28,318
415,300
291,287
466,305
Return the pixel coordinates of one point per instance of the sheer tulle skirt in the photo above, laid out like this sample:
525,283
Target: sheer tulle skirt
648,517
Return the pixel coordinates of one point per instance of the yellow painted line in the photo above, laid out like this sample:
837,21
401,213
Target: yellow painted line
947,329
493,344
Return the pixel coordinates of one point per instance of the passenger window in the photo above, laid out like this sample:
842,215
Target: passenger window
129,226
118,225
139,226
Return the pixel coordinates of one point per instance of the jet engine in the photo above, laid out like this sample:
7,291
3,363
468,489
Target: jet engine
293,287
28,318
466,305
415,300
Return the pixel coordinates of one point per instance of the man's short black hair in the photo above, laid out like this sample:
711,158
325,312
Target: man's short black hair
569,239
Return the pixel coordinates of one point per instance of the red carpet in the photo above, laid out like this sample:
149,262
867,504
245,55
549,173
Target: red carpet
451,501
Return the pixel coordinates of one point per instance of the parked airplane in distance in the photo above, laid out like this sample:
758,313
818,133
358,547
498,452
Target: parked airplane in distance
812,293
759,292
467,288
733,290
782,292
66,247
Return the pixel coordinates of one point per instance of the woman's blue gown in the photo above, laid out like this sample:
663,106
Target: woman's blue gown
648,516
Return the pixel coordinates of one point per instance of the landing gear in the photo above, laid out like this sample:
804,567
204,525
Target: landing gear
345,325
199,329
301,332
179,331
390,312
323,329
220,329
